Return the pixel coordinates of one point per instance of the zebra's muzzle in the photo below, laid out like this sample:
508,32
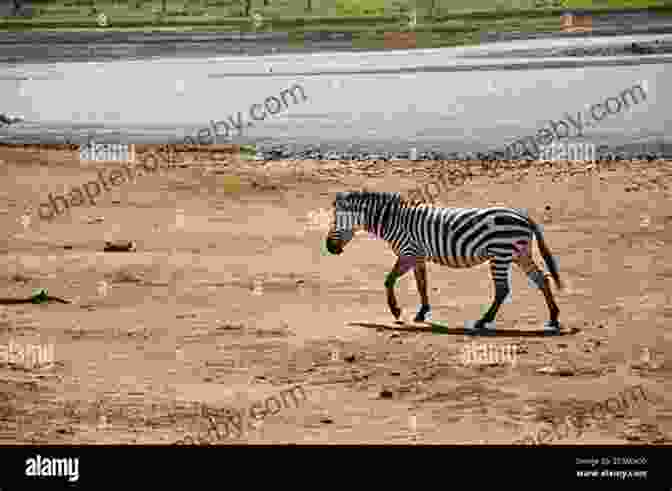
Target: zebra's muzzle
334,246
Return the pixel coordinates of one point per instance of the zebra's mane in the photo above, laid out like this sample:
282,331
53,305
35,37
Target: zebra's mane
355,199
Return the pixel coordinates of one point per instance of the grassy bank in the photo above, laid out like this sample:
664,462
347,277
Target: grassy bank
435,23
293,14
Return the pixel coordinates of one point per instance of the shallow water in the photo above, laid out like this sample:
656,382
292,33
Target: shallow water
463,104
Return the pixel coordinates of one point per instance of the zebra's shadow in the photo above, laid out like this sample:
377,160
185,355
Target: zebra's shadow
434,328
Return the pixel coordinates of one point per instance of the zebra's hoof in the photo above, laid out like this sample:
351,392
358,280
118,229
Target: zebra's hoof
396,312
479,327
424,314
552,326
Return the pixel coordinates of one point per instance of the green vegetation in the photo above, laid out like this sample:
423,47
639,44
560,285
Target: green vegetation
436,22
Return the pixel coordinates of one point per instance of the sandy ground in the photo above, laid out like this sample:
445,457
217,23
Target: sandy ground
231,301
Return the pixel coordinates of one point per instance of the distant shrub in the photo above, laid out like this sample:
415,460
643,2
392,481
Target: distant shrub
223,3
360,7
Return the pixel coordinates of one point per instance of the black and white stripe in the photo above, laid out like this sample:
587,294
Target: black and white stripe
454,237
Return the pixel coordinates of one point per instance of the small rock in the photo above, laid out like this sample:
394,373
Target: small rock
326,420
227,326
120,246
350,358
386,394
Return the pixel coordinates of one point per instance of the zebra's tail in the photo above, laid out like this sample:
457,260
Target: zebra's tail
549,260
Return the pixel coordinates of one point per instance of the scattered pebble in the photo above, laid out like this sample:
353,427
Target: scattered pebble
281,152
102,288
386,394
645,221
257,287
120,246
562,372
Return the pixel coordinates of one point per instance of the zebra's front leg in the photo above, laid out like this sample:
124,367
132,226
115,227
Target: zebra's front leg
499,269
401,267
424,314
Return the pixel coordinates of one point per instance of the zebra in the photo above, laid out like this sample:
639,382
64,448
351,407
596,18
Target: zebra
455,237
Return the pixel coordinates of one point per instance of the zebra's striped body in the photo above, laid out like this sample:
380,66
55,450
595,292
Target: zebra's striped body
454,237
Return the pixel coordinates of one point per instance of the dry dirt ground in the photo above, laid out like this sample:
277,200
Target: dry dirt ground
232,300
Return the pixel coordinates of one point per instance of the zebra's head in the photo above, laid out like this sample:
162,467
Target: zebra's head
343,224
352,211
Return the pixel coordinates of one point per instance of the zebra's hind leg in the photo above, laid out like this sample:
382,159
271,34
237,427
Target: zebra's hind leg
424,314
537,279
499,270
